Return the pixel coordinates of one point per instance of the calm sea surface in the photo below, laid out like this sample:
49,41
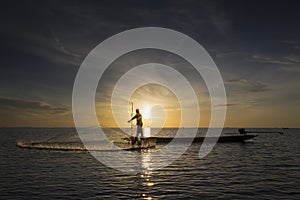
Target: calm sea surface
266,168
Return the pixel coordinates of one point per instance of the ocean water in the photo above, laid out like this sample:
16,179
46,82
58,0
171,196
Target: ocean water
265,168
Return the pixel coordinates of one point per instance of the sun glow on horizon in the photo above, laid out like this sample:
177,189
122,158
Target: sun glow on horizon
157,104
146,112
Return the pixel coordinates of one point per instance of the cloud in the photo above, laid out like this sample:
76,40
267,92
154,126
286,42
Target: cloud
270,60
290,68
43,32
293,58
248,86
227,105
289,63
231,54
31,107
50,48
291,42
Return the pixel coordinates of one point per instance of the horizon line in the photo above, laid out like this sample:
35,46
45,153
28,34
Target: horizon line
227,127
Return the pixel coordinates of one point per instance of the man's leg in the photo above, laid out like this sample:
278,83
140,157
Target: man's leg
139,130
142,133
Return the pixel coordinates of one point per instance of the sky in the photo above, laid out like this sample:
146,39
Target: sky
255,45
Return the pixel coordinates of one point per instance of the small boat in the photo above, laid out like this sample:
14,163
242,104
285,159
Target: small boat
241,136
244,132
221,139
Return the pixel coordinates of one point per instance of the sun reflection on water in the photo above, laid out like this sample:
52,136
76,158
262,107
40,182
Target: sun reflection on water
145,177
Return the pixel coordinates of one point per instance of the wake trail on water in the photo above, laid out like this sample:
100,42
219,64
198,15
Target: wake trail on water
51,146
62,146
69,141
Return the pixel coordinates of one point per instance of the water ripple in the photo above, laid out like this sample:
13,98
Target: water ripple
267,168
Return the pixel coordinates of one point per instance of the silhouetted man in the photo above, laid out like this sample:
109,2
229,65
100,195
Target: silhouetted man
139,123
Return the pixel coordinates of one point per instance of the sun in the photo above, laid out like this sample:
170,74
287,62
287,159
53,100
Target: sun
146,112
